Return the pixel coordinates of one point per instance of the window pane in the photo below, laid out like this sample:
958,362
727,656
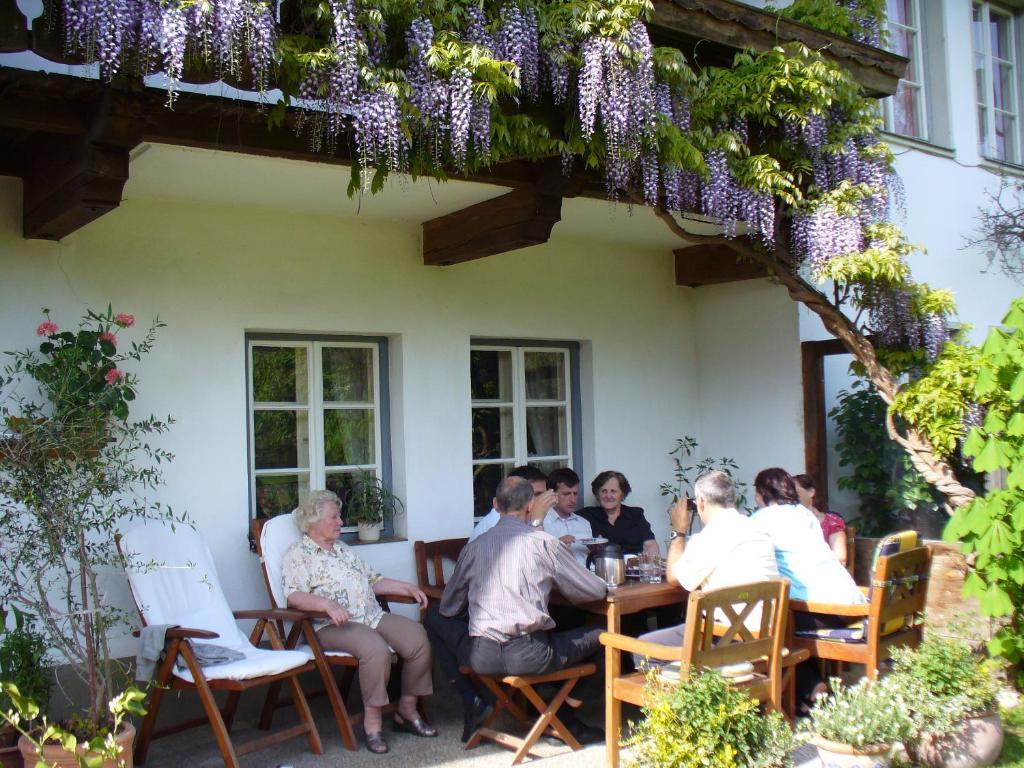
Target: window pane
905,110
341,484
983,131
901,41
1005,139
485,482
493,433
280,493
490,375
281,439
899,11
999,27
279,375
1002,87
348,374
545,431
976,27
348,436
547,467
545,375
979,77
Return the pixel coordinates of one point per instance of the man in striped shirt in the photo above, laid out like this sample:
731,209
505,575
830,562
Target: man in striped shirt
504,578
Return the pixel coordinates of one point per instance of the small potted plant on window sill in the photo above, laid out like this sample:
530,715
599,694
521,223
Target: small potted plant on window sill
955,697
857,726
367,503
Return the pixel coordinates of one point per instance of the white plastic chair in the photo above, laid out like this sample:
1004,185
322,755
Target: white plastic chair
174,582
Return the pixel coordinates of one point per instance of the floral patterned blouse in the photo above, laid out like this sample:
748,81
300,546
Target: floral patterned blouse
338,574
832,523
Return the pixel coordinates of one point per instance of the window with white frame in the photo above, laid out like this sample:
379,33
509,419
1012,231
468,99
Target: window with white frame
995,31
905,112
315,417
523,411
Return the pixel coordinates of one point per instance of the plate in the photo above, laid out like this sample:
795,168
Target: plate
595,540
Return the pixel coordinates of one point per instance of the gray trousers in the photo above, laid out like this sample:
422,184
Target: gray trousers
668,636
370,647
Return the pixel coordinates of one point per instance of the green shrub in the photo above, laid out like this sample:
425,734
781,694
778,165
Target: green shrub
705,722
23,659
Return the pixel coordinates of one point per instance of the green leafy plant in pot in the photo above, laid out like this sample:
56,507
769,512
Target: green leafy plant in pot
367,503
704,722
73,470
23,663
856,726
954,695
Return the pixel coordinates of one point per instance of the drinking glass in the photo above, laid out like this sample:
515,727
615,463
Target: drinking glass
650,569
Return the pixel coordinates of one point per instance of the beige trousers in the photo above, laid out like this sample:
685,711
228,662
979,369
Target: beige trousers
370,646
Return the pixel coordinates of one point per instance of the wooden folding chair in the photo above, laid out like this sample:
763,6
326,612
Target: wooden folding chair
174,583
435,553
893,616
851,550
710,642
547,721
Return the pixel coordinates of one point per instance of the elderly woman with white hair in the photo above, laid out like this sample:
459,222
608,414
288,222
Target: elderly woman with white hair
321,573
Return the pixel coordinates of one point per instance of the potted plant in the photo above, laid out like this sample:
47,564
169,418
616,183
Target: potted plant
73,470
857,726
954,693
704,721
367,503
23,663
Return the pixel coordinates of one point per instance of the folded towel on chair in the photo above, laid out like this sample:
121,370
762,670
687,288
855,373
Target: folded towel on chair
151,649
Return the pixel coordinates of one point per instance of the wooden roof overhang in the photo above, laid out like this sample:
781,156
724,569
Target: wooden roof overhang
69,138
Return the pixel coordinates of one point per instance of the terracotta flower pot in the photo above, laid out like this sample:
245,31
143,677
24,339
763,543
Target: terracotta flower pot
977,743
55,755
836,755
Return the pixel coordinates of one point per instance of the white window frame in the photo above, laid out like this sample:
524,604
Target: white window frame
314,408
917,57
519,404
984,101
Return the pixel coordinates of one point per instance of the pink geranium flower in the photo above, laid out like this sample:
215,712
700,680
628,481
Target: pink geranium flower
108,336
114,376
124,319
47,328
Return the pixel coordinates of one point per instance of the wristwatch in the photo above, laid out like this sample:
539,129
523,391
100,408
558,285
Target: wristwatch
674,534
536,523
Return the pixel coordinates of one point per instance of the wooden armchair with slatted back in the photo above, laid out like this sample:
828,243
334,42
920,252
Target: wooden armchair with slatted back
430,559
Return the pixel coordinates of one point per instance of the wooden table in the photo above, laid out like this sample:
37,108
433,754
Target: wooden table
633,597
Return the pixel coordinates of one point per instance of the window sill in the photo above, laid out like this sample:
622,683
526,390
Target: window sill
355,542
919,144
1002,167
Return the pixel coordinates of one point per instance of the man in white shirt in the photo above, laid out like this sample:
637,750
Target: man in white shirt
537,479
561,521
729,550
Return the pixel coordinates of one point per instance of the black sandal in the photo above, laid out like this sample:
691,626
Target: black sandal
417,727
375,743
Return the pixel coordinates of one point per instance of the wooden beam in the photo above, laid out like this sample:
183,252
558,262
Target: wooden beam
736,25
13,27
518,219
700,265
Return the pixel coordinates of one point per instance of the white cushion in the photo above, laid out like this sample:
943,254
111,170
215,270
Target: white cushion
174,581
276,538
257,662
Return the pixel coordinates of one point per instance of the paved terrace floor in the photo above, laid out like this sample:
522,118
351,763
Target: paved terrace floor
197,749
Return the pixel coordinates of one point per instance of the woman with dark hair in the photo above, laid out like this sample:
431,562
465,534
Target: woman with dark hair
613,520
833,527
804,558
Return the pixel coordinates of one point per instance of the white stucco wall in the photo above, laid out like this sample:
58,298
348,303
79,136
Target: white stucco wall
658,361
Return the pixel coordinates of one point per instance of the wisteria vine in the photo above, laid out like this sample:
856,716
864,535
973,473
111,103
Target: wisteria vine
417,89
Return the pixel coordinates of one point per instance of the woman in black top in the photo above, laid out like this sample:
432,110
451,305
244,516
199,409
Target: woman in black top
613,520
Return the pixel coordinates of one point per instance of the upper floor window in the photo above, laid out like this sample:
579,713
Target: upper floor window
317,413
905,112
523,411
995,80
